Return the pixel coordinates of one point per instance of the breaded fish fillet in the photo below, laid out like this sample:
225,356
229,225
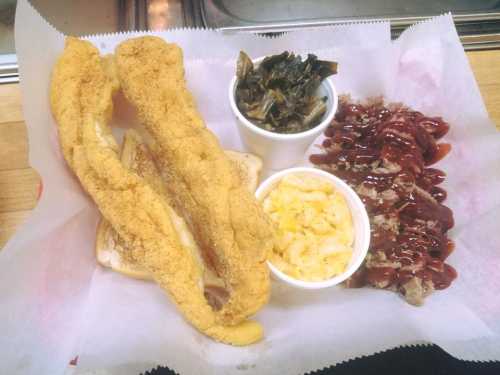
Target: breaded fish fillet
112,251
81,101
226,220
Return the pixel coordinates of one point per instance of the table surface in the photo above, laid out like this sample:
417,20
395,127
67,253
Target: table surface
19,183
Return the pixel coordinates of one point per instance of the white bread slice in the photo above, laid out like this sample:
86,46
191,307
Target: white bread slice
111,250
249,167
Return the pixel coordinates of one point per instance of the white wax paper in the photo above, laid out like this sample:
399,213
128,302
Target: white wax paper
57,303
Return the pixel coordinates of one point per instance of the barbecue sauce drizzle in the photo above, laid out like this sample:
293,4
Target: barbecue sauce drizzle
385,154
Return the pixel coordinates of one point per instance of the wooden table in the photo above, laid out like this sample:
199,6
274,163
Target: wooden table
19,183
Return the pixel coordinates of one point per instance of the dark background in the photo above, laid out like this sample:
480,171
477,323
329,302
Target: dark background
417,360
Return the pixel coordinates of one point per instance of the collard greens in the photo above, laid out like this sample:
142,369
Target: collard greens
279,94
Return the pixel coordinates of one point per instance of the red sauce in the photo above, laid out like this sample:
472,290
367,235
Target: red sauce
385,154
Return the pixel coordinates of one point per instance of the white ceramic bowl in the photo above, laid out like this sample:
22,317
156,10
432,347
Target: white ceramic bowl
359,217
280,151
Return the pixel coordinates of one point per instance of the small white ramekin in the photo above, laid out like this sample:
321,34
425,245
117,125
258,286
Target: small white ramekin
277,150
359,217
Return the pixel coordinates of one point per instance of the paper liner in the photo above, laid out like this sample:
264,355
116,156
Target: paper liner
57,303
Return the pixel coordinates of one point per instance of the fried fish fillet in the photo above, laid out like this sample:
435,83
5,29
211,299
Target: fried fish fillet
227,222
112,251
81,101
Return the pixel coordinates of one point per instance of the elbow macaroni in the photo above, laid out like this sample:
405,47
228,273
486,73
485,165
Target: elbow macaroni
315,233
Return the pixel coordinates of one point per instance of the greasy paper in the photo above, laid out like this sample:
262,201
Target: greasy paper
57,303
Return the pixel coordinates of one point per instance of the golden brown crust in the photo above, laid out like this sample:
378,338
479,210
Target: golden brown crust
225,218
112,251
81,101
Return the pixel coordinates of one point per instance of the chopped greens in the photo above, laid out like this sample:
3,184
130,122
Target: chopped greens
279,94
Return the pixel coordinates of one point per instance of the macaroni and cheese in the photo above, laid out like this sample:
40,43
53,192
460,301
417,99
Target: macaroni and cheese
315,232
